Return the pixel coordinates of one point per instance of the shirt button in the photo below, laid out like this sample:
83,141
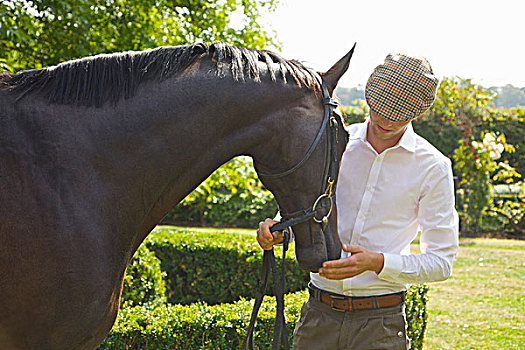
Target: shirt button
400,334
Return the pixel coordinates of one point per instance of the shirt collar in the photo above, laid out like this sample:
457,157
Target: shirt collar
407,141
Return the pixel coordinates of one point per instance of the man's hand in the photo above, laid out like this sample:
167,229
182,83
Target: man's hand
360,261
266,238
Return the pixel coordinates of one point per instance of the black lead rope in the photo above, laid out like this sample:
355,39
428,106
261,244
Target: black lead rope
280,332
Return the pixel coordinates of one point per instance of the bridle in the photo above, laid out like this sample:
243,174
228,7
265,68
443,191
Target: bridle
325,199
331,166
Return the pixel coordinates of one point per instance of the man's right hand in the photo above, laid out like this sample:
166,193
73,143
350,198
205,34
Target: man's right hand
266,238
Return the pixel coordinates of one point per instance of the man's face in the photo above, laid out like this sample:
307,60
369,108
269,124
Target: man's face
386,129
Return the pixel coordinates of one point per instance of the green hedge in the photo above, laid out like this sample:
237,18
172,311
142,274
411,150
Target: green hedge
215,267
232,195
211,266
416,314
144,282
200,326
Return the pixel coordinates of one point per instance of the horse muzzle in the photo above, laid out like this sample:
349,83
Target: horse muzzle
315,244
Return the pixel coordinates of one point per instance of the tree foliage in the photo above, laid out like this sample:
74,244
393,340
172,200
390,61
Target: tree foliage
350,96
39,33
509,96
232,195
464,124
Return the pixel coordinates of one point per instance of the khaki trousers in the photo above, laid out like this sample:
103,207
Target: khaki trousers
320,327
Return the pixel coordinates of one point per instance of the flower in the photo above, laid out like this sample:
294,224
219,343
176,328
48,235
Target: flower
488,139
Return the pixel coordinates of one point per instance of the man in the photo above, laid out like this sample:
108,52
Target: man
391,184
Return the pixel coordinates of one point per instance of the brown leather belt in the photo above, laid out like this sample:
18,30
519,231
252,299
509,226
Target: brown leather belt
345,303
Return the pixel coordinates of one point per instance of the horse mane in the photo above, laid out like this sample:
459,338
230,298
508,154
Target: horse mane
109,77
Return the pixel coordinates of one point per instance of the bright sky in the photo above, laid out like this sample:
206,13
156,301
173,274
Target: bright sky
478,39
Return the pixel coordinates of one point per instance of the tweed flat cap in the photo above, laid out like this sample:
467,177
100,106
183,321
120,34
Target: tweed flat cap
402,88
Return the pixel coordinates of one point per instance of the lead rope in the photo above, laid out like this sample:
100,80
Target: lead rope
280,332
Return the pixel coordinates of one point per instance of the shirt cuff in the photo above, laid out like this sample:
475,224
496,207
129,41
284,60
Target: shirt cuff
392,267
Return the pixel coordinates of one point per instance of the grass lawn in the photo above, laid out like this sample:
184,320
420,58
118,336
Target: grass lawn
482,305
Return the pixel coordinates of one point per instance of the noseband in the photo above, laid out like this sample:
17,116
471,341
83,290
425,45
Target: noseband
324,200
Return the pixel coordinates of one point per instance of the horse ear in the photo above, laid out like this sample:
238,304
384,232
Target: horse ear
332,76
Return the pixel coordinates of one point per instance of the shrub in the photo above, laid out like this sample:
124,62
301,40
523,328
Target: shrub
144,280
475,165
355,114
200,326
509,208
416,311
232,195
146,321
215,267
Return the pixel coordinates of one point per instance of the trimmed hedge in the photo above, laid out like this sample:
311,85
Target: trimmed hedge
144,280
416,314
232,195
215,267
200,326
209,266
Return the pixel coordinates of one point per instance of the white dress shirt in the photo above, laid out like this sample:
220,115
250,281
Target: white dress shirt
383,200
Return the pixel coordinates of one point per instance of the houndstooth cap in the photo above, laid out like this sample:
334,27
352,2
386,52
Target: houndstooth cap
402,88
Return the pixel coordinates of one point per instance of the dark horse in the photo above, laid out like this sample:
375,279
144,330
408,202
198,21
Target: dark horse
95,151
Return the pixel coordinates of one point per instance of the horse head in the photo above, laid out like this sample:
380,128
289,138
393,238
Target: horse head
303,183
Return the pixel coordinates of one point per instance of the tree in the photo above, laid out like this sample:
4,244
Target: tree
350,96
39,33
509,96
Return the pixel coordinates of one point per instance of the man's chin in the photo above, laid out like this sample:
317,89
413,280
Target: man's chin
382,134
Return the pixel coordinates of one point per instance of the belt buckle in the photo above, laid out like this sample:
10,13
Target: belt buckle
336,297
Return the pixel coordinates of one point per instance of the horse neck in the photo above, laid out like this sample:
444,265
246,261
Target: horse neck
178,132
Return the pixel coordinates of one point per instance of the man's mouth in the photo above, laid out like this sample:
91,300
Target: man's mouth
383,129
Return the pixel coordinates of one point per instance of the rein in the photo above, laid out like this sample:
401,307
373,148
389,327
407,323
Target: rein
280,332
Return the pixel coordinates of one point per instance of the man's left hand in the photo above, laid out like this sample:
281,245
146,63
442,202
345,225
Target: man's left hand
360,261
